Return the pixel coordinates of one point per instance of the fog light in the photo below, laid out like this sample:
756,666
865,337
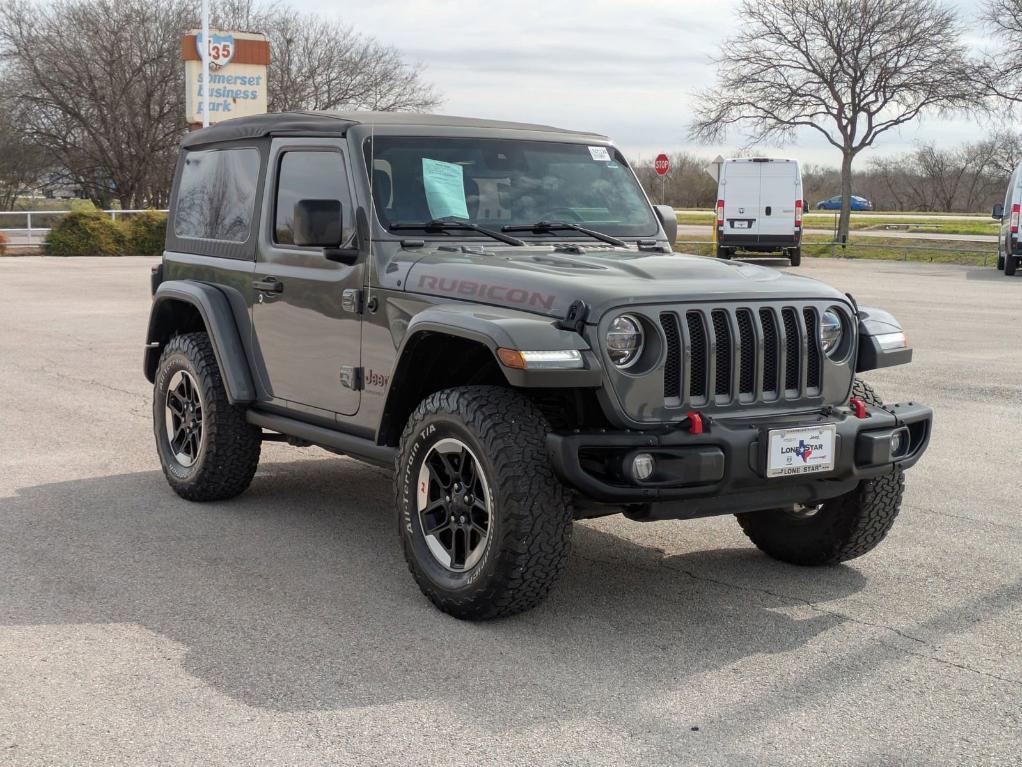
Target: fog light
899,441
642,466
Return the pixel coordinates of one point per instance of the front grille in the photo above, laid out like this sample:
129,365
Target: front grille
698,361
721,355
672,365
792,344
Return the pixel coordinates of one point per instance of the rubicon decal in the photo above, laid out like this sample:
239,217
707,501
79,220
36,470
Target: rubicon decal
498,293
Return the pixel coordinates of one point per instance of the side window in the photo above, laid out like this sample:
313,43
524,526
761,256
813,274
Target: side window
310,175
216,194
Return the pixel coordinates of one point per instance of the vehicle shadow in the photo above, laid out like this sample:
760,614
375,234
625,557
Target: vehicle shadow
990,274
295,597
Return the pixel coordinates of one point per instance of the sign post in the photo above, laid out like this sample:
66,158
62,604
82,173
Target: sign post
204,53
662,165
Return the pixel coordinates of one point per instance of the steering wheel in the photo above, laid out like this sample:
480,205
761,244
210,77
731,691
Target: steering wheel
561,214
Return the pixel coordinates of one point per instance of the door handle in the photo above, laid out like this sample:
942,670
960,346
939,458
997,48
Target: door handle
268,285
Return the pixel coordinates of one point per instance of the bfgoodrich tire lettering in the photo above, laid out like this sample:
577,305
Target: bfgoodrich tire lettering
528,538
221,462
840,529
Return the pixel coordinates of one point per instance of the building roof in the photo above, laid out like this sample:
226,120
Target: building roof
337,123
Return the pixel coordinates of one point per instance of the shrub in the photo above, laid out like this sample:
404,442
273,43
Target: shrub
146,233
82,206
86,234
3,244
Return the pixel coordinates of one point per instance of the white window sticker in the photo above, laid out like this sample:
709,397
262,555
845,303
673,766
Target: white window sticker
445,188
599,153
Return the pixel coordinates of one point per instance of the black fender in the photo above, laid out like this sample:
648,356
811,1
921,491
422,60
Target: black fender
882,341
500,328
214,309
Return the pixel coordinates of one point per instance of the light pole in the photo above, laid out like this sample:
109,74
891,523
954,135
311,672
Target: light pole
204,52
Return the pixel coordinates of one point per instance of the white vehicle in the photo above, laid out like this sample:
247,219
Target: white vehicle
1009,250
759,208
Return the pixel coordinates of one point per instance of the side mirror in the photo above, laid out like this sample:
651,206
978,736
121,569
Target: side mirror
319,223
998,211
668,220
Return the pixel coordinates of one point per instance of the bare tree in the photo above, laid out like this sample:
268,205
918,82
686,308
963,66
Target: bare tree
100,83
22,162
849,69
1000,72
100,87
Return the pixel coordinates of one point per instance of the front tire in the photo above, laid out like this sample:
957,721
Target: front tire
837,530
208,451
484,523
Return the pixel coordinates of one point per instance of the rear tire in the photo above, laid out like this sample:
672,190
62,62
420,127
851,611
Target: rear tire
1000,262
1010,265
725,253
484,523
795,256
208,451
837,530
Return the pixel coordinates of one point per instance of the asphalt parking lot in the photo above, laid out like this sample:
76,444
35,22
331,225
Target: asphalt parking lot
283,628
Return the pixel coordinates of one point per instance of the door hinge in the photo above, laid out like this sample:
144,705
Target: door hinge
352,377
351,300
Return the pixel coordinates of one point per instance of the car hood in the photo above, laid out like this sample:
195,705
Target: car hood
547,281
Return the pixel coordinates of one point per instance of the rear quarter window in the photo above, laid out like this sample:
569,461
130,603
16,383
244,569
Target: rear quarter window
216,194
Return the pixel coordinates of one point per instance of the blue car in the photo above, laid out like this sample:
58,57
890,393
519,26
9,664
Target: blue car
834,203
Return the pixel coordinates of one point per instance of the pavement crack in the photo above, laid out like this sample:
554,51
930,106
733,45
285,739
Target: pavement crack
663,563
924,510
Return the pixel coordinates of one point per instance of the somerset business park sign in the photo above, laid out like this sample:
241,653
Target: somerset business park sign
237,74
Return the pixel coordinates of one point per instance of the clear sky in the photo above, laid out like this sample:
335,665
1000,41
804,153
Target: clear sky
626,68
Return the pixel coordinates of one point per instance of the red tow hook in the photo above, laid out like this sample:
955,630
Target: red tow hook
858,406
695,422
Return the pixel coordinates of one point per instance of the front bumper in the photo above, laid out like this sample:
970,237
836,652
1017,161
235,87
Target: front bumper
723,470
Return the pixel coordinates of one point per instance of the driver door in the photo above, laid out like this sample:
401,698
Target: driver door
307,331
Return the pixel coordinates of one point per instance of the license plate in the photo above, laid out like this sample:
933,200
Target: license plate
739,224
805,450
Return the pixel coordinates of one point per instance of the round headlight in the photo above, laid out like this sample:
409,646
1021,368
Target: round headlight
832,330
624,340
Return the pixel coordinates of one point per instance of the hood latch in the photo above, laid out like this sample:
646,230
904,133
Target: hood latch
575,319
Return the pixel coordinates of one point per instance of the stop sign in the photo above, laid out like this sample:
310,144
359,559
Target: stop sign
661,164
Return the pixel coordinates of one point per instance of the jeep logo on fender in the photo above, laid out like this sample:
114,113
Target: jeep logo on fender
498,293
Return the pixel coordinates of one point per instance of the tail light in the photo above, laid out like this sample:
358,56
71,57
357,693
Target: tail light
798,213
720,215
1014,218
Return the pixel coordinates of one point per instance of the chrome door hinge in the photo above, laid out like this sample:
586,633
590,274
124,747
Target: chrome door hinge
352,377
351,300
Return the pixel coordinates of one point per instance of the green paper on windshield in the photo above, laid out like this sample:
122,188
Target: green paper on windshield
445,188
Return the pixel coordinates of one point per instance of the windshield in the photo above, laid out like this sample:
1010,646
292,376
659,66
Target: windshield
498,183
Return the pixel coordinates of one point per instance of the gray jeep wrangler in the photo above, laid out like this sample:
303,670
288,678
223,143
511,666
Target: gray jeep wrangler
495,311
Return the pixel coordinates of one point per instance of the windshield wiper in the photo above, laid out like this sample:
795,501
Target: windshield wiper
553,226
441,224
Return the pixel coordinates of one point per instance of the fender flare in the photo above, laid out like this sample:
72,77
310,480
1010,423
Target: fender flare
497,328
214,308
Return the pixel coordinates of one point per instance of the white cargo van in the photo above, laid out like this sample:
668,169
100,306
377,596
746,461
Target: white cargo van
759,208
1009,247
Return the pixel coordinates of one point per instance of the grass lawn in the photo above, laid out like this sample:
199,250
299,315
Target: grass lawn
828,221
937,251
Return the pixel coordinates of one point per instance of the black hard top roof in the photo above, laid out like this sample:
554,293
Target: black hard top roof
337,123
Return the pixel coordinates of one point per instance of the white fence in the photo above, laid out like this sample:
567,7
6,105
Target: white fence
36,224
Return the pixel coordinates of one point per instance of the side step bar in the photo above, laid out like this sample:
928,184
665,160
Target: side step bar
356,447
